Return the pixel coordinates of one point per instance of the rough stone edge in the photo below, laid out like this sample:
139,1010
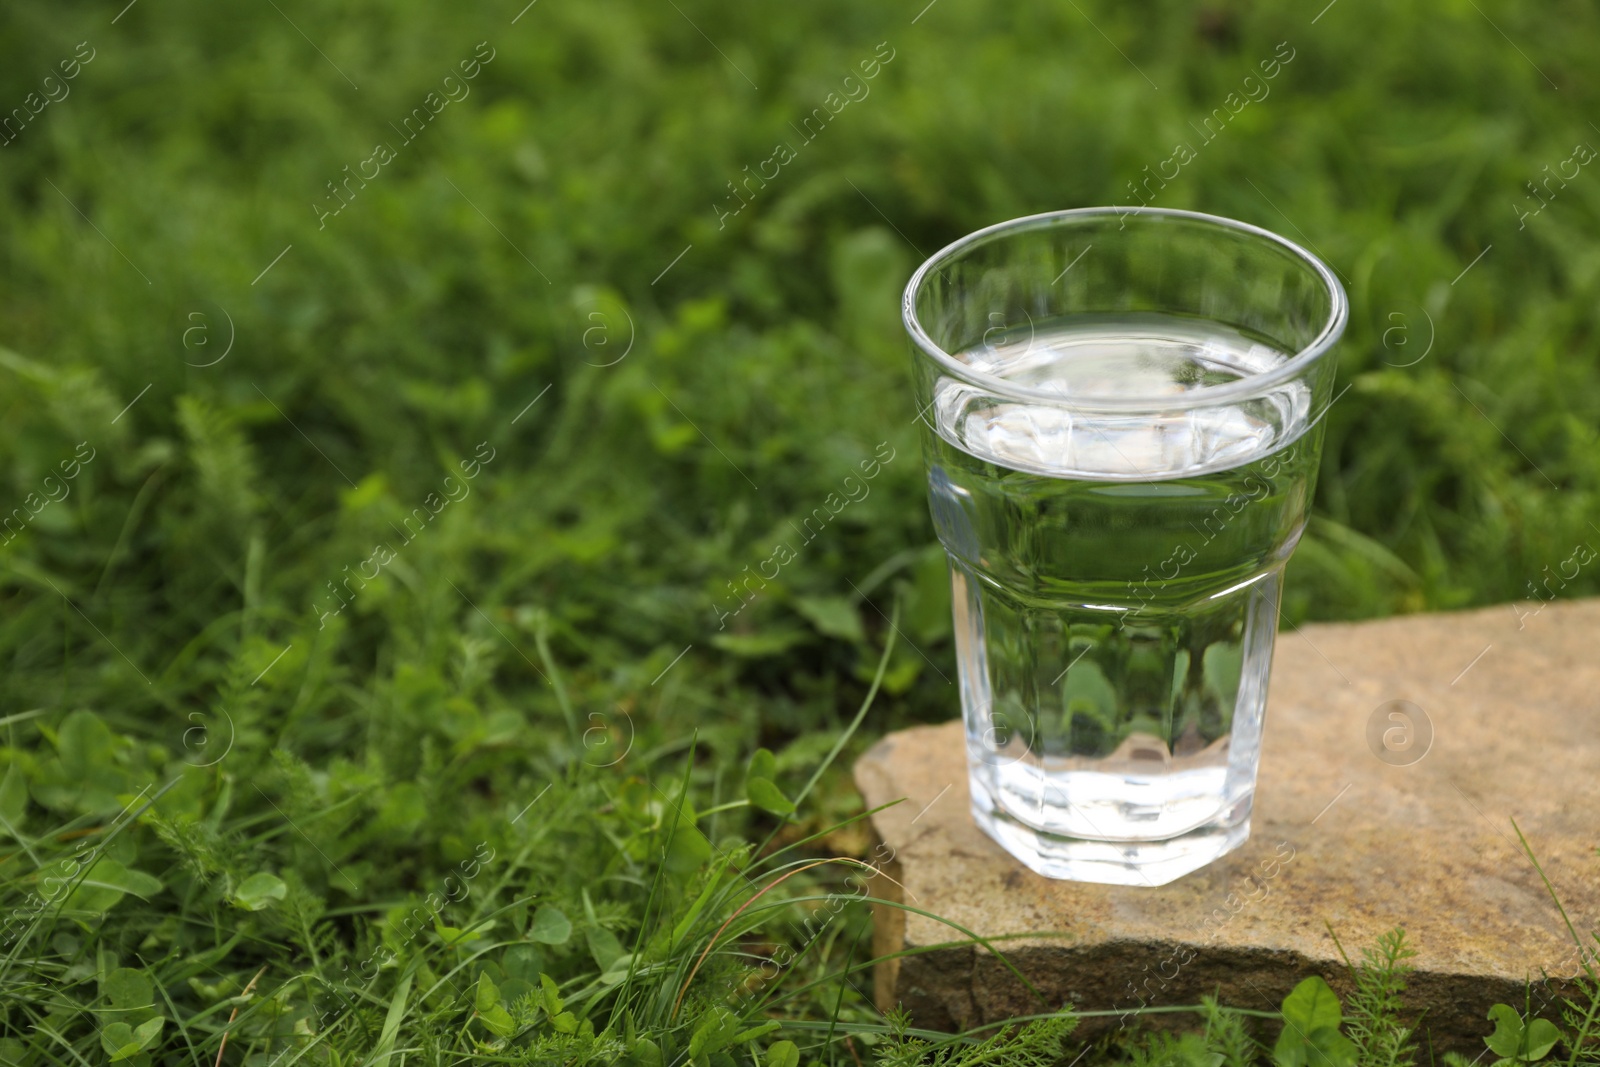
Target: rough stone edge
959,986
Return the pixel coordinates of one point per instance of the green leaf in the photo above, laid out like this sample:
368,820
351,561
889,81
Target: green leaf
754,1032
147,1032
486,1001
1516,1040
645,1053
762,765
833,616
1506,1041
90,770
122,1041
765,794
83,741
1312,1005
1310,1036
783,1054
499,1021
603,946
114,1037
550,996
715,1032
127,987
114,875
457,937
618,970
1087,690
523,961
1542,1037
488,995
687,847
1331,1049
1291,1047
550,926
106,884
259,891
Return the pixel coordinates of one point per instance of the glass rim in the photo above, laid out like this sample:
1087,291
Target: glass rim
1241,388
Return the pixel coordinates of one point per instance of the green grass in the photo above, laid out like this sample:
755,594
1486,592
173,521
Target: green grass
308,778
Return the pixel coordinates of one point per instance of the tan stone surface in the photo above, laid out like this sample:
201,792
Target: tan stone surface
1515,709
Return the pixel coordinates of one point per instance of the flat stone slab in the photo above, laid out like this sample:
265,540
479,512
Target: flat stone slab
1351,832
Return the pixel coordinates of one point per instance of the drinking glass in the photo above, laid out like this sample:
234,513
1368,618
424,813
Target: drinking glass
1122,413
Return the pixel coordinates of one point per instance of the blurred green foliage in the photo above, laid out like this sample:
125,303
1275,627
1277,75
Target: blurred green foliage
550,272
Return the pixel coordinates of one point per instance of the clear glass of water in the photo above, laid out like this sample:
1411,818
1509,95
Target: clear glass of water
1123,425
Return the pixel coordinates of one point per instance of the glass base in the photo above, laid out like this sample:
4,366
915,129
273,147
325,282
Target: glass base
1137,863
